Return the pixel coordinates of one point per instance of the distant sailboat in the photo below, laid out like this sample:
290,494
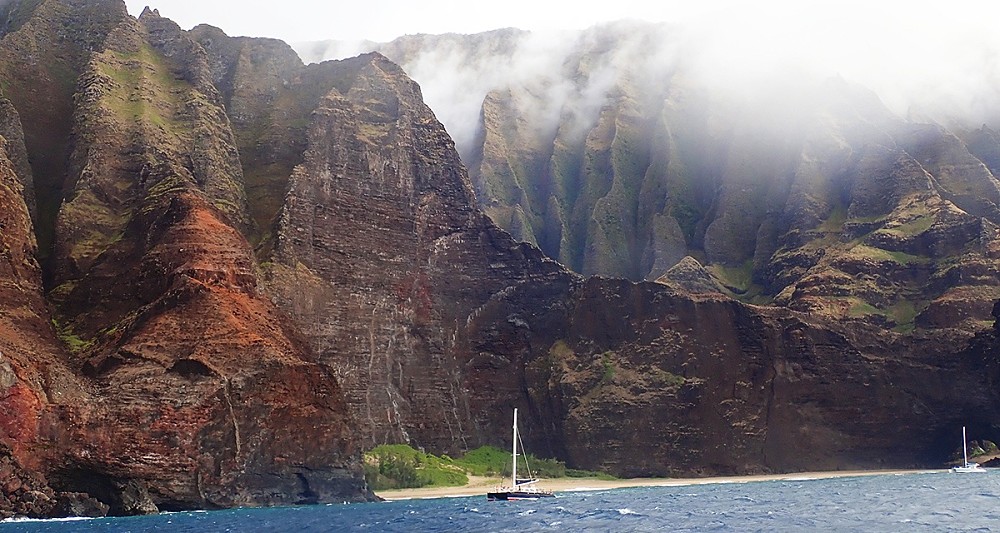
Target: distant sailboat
967,467
520,488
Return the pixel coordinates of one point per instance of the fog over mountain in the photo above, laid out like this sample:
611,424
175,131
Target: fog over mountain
782,154
928,66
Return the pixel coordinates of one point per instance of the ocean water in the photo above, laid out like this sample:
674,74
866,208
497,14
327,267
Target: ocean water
903,502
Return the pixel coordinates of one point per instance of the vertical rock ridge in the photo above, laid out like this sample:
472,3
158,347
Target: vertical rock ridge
11,130
41,56
152,236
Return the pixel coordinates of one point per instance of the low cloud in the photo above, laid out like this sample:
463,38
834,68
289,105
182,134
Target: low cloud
925,62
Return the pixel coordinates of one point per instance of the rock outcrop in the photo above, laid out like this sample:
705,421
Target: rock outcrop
689,276
22,493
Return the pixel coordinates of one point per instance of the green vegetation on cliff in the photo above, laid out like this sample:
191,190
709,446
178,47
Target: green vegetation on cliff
69,338
16,14
145,89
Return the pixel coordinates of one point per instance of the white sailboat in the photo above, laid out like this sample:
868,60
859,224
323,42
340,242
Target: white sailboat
520,488
967,466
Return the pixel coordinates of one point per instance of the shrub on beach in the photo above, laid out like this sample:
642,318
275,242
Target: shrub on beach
398,466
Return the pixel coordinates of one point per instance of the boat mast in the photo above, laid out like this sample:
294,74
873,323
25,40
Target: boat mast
513,469
965,453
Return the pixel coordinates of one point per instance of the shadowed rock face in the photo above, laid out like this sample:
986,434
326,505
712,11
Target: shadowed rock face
10,130
44,48
199,345
715,386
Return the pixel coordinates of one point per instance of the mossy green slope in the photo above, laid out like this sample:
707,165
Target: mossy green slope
148,128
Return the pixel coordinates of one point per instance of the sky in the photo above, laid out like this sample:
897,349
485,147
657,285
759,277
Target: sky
935,52
383,20
863,37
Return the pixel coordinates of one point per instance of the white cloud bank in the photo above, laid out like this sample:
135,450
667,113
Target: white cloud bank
923,58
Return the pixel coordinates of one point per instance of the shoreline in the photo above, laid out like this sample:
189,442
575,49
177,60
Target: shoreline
480,485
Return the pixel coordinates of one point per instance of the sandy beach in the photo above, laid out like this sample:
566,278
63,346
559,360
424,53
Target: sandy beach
480,485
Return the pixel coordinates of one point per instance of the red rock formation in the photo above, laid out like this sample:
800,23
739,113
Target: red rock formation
200,396
22,396
33,376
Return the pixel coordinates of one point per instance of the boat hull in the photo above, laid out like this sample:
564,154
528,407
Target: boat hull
510,495
968,469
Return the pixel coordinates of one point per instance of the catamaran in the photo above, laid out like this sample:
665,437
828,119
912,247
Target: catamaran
967,467
520,488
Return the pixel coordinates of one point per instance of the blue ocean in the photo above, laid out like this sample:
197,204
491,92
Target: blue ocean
937,501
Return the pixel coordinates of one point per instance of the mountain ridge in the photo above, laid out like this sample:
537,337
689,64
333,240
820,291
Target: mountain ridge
256,268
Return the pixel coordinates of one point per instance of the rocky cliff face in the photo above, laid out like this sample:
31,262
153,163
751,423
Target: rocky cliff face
167,252
34,377
718,387
582,355
254,269
45,47
148,241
